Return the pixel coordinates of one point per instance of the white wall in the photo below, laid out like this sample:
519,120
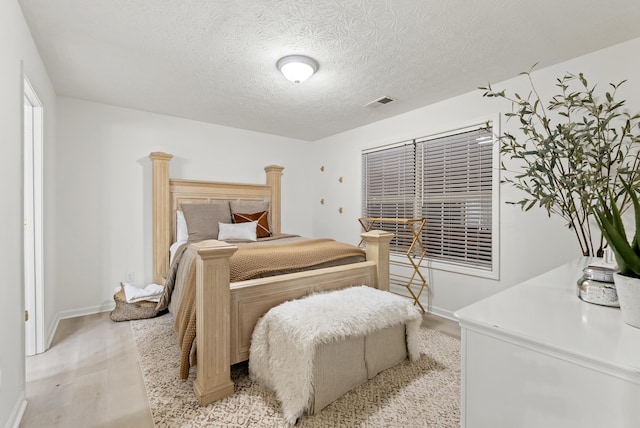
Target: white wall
530,243
17,46
103,179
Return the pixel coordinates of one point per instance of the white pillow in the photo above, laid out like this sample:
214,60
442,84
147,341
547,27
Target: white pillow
182,232
238,231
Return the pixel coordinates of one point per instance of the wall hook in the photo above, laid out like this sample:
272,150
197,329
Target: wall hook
340,179
322,168
340,210
322,201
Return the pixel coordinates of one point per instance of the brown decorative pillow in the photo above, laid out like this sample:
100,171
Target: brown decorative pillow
262,230
202,219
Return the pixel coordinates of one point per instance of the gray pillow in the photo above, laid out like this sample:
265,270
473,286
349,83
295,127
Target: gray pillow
202,219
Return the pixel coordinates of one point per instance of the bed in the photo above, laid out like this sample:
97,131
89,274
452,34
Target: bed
228,311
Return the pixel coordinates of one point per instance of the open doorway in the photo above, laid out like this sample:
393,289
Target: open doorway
33,213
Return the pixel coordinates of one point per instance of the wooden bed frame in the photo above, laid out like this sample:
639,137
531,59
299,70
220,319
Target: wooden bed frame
226,311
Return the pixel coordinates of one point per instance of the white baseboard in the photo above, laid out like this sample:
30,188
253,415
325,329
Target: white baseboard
72,313
443,313
52,331
18,411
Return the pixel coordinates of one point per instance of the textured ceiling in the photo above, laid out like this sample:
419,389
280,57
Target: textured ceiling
214,60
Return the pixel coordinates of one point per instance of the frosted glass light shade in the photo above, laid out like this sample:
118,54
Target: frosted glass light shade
297,68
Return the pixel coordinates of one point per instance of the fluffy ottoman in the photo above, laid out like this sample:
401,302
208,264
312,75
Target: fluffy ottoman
313,350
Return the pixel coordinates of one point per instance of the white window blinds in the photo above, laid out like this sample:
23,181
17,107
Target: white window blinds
446,180
389,183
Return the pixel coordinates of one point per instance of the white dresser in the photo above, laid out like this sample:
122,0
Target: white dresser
535,355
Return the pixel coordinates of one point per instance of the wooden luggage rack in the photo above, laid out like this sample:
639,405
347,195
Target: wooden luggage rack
415,253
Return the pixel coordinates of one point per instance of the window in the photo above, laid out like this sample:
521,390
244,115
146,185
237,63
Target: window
448,179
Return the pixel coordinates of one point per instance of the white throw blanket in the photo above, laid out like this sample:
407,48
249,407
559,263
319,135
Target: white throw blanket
284,341
151,292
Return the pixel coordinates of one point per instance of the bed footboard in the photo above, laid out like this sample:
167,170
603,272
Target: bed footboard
227,324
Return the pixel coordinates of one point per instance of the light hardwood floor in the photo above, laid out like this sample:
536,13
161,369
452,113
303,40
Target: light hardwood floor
90,377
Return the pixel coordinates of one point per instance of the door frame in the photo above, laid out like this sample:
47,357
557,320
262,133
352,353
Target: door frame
33,188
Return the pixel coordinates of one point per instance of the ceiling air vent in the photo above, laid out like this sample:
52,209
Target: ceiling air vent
380,102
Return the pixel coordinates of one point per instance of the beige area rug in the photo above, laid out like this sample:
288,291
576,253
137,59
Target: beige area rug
421,394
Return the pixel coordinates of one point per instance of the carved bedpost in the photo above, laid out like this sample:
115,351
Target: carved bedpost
377,243
274,172
161,213
213,321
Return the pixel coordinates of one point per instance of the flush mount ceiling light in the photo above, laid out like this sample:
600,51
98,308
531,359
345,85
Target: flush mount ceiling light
297,68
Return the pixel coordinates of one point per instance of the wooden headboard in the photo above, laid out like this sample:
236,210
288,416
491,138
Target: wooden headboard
169,193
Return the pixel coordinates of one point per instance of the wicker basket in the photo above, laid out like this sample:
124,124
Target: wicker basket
132,311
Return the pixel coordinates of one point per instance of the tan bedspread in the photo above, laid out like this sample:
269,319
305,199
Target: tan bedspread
248,262
256,261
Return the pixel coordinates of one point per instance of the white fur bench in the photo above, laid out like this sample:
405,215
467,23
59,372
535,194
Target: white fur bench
313,350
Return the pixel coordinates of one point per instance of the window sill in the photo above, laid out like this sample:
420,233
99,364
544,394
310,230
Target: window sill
401,260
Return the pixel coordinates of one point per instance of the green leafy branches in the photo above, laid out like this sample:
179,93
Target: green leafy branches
573,148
